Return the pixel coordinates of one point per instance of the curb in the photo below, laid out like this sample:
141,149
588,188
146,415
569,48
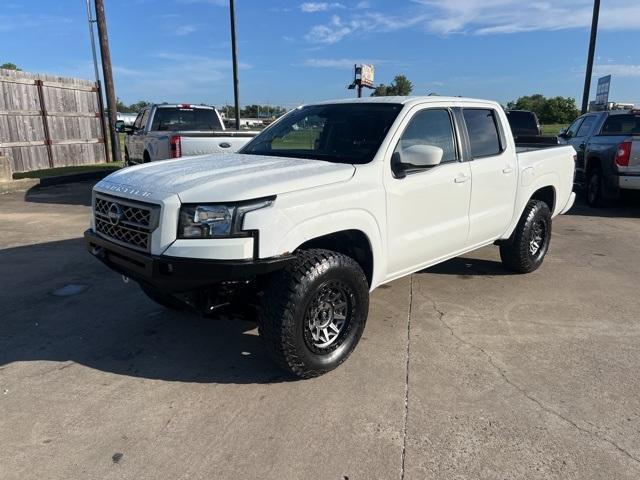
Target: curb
75,177
12,186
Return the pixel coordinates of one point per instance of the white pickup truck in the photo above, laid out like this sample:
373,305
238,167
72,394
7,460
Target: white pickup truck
168,131
325,205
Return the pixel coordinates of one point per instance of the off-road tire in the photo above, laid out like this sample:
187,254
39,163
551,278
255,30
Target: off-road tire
288,310
162,299
517,255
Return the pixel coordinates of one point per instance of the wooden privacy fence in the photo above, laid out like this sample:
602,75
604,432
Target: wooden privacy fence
48,121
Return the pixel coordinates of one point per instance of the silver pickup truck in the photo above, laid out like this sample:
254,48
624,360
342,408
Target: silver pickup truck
168,131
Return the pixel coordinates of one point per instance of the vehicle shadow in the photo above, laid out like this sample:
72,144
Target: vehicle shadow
468,267
77,193
62,305
626,207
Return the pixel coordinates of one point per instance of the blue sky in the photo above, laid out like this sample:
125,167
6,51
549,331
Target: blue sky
295,51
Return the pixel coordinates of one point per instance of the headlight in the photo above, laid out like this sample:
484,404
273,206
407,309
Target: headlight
212,221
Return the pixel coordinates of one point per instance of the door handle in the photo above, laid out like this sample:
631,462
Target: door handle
507,169
462,178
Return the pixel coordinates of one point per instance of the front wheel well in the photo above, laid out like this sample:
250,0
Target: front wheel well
546,195
353,243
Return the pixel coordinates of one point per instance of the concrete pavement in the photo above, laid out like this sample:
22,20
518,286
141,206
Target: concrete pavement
464,370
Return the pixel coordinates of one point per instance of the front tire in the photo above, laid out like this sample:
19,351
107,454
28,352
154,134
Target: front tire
314,312
530,241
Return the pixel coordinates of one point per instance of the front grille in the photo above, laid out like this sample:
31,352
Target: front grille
125,222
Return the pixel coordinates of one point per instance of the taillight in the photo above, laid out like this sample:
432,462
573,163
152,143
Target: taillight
623,155
175,146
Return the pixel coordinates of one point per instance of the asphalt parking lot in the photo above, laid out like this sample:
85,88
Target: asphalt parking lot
464,371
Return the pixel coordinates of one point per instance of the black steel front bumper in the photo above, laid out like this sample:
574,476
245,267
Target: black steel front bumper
174,274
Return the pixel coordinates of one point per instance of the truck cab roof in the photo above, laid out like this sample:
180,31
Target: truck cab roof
410,100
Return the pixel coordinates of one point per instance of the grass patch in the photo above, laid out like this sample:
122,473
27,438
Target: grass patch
52,172
552,129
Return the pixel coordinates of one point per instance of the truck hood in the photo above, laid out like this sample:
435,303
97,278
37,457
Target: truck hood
224,178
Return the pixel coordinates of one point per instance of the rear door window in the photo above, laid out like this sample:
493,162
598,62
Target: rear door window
484,137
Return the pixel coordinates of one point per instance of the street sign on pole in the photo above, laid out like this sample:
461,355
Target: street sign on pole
363,77
602,94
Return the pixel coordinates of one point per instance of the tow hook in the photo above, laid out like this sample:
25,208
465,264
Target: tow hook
98,252
125,279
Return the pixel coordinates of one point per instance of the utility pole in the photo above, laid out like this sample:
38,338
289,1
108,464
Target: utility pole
103,126
234,55
107,74
592,51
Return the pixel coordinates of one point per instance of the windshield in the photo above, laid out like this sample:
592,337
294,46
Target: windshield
185,119
342,133
622,125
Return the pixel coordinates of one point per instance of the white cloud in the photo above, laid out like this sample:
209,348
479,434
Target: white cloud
337,28
480,17
182,30
200,77
485,17
617,70
313,7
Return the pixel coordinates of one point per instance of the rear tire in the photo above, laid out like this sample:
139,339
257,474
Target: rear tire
163,299
530,241
314,312
594,189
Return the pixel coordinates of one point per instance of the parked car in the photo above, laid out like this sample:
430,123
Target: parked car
126,119
525,128
608,146
167,131
325,205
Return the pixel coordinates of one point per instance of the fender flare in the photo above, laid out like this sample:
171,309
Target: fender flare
550,179
354,219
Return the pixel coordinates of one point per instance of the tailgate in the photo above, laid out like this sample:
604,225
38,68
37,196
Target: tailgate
634,161
206,145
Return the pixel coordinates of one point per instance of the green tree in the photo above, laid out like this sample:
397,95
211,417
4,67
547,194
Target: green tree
559,110
533,103
10,66
548,110
133,108
401,85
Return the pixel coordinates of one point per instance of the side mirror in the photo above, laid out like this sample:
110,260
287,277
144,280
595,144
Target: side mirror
120,126
562,133
415,156
422,155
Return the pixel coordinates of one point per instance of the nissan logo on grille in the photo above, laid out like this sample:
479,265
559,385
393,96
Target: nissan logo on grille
114,214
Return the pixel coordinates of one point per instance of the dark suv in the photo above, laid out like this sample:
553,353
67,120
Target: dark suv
608,146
